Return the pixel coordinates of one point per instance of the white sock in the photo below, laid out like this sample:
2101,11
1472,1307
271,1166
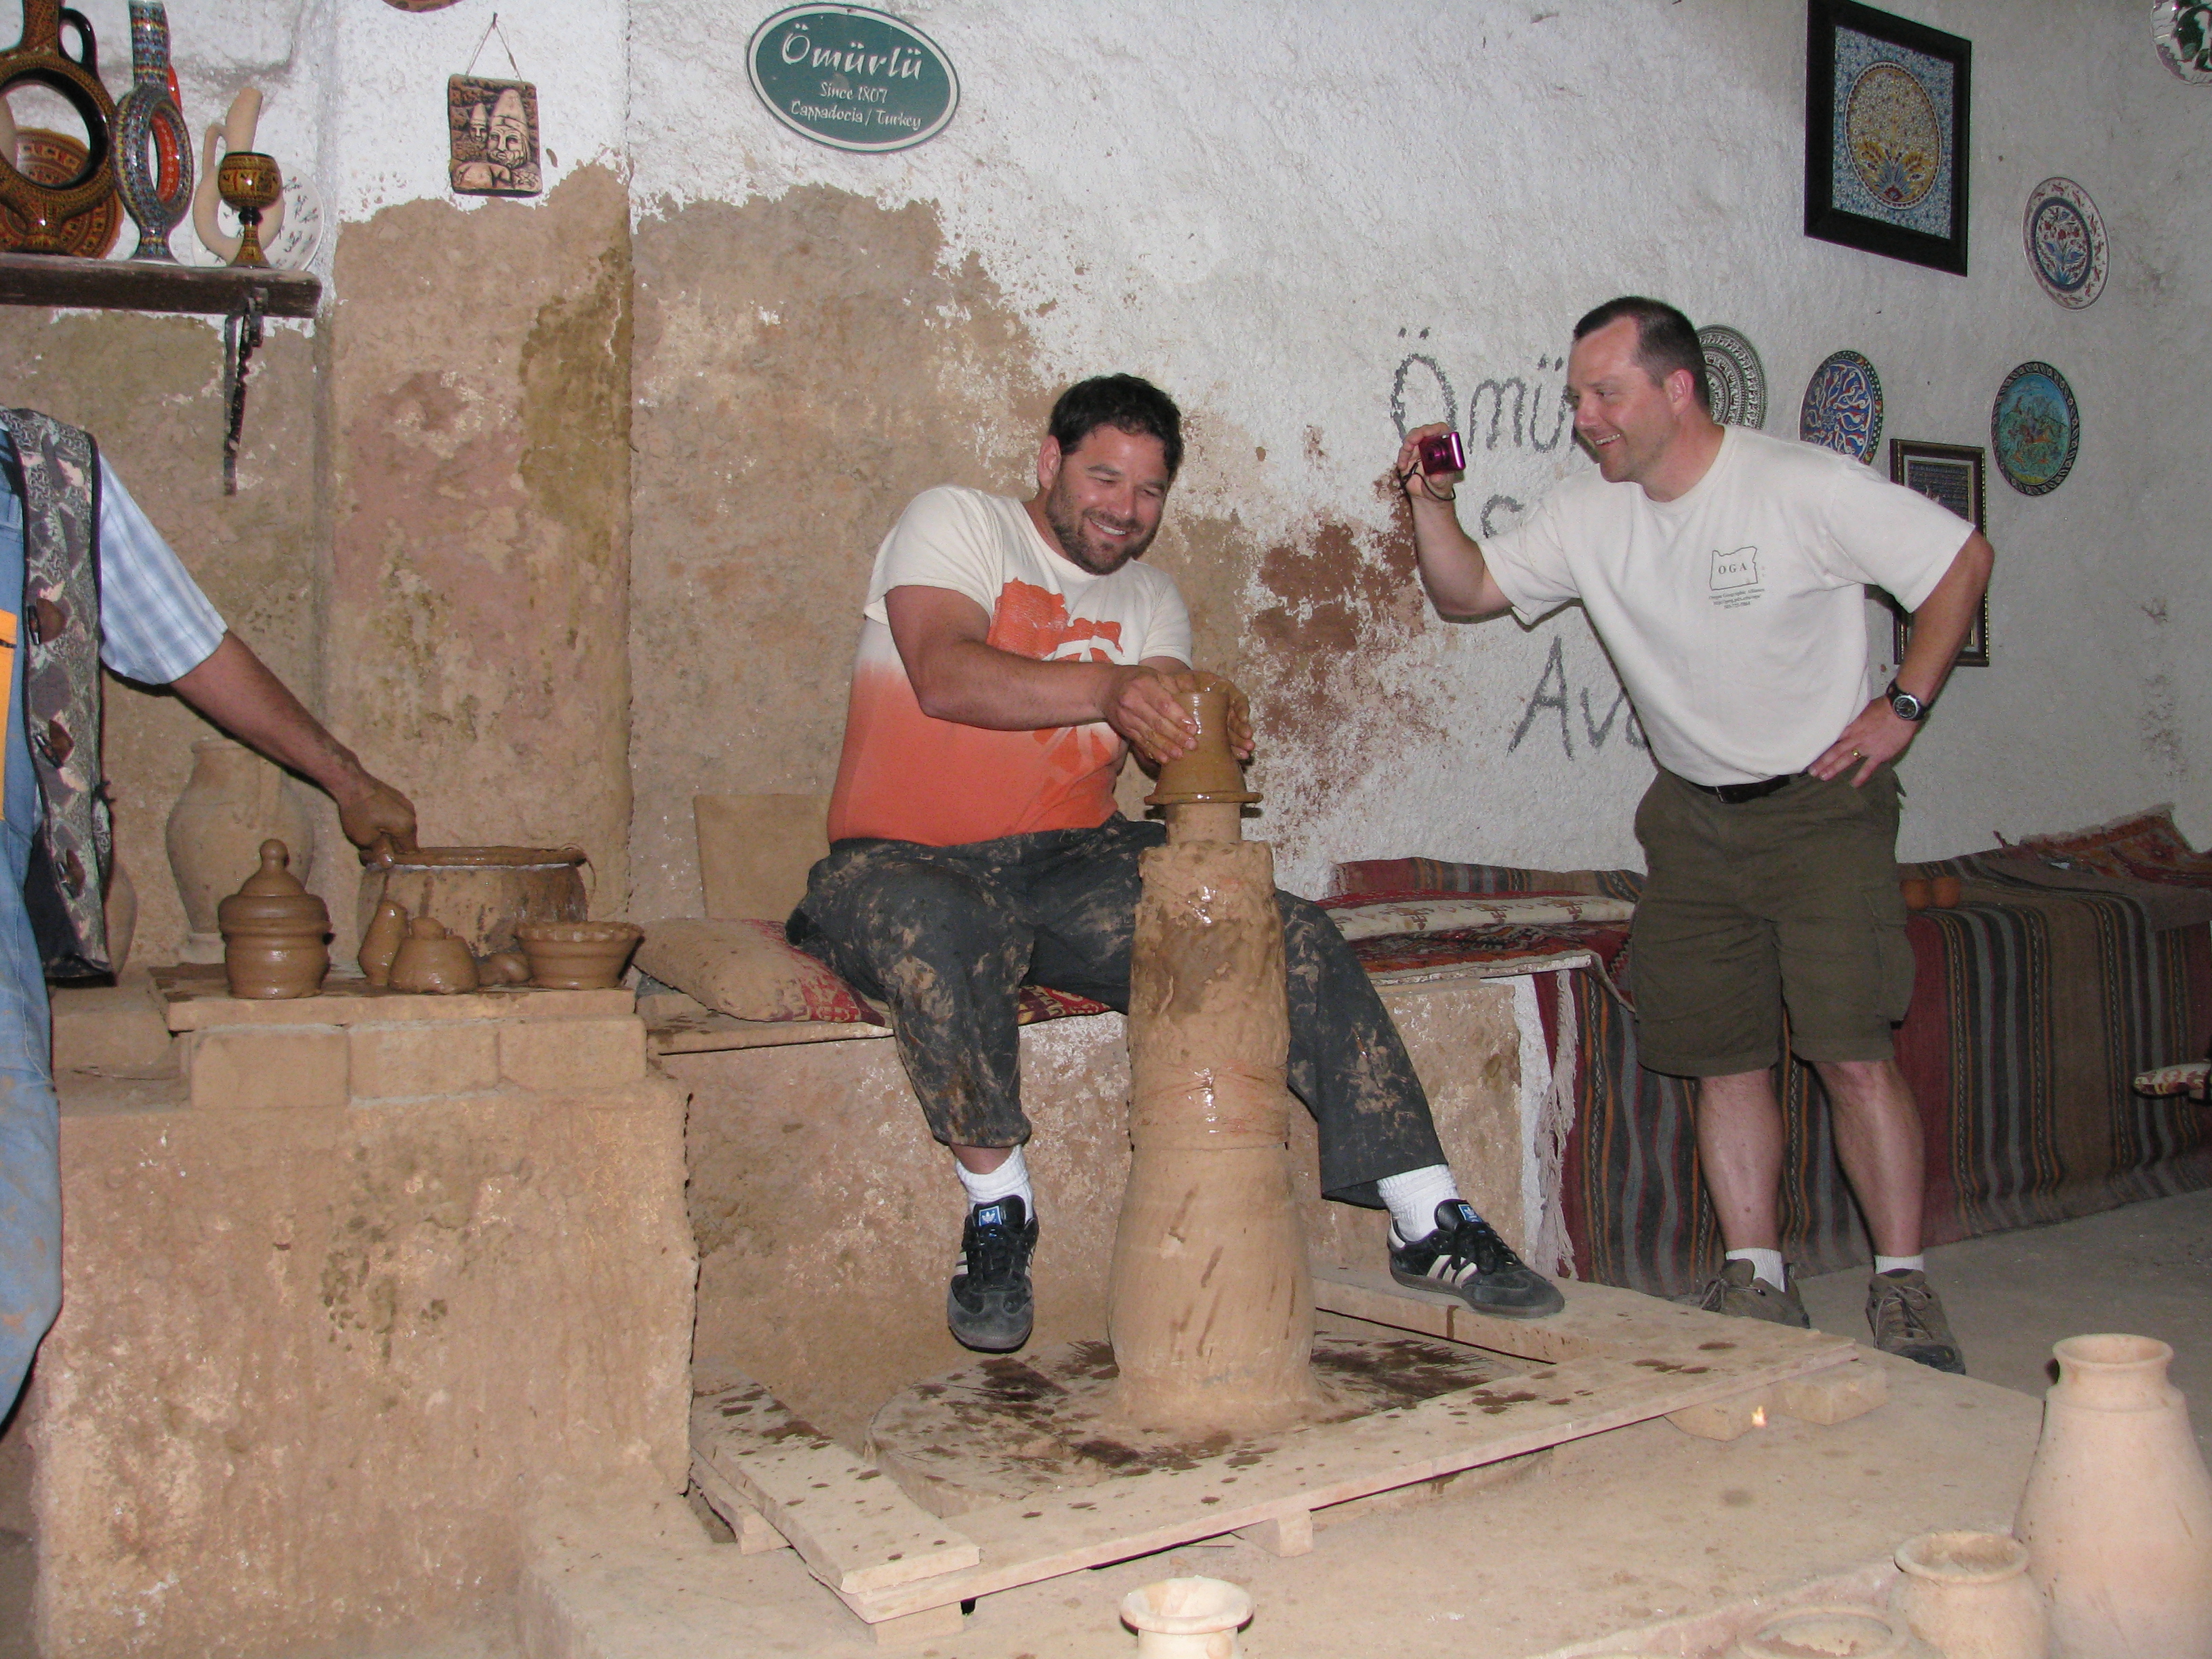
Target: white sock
1764,1264
1890,1264
1009,1180
1414,1197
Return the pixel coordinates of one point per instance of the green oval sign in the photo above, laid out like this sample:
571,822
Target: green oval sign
852,78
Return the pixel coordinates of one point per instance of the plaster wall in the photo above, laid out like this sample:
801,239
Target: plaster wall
1309,224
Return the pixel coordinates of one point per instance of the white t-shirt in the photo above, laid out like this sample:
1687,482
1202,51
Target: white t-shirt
1734,613
908,777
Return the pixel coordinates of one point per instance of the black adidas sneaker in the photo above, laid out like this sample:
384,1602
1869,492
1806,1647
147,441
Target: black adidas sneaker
1466,1258
989,1305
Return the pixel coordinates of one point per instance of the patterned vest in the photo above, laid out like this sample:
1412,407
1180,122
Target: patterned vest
55,473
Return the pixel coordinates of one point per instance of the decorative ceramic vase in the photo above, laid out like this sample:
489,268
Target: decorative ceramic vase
431,959
121,909
2117,1512
37,59
249,182
1969,1593
380,943
578,955
233,802
153,146
1841,1632
1210,772
1186,1618
275,933
480,893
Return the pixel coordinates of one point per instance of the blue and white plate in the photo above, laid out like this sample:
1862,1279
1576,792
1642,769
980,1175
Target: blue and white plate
2066,246
1842,409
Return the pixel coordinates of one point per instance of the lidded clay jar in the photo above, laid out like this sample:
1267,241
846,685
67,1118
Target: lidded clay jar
274,932
431,959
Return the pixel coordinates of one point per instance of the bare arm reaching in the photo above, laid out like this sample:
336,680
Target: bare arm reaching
234,689
1460,585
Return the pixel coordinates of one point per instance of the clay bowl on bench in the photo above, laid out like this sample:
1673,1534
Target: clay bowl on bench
578,955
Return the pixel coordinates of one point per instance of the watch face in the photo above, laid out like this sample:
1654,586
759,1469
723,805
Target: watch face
1906,705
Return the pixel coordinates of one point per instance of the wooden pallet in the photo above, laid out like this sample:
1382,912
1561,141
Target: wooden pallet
1611,1358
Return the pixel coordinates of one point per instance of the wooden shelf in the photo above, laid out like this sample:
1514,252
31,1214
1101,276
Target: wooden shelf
53,279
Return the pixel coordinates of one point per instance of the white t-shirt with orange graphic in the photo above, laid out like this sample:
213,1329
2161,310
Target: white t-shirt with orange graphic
906,776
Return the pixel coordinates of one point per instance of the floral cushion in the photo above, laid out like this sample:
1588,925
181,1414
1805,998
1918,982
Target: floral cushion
2145,846
747,970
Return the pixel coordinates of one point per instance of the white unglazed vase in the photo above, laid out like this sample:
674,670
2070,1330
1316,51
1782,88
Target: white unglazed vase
1969,1593
1186,1618
233,802
2117,1512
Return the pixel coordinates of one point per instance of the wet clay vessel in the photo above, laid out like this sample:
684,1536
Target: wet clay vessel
1832,1633
1969,1593
479,893
1210,772
1210,1302
2117,1515
1186,1618
578,955
432,960
274,932
380,943
504,968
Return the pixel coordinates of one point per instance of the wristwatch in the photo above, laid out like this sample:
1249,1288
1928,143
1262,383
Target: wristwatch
1903,704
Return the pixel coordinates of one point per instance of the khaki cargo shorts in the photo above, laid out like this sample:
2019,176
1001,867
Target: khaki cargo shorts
1788,899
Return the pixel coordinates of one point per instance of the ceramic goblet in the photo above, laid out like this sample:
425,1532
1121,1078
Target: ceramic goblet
250,182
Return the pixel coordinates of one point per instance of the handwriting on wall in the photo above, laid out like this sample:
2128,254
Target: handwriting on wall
1554,694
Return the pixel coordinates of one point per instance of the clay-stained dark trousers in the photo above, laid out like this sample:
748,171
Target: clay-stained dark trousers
946,935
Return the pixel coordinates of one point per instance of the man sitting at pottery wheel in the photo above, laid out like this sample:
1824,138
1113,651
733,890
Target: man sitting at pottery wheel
1012,653
85,579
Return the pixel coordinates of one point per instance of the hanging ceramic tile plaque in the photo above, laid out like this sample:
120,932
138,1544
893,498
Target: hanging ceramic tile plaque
2066,246
852,78
492,128
1736,377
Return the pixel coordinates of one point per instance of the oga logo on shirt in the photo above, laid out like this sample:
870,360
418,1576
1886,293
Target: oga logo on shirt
1735,578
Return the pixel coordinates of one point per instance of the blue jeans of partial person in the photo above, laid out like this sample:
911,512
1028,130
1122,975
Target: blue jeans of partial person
30,1138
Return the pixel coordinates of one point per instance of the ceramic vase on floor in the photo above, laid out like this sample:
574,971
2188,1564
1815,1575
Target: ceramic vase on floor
233,802
1969,1593
2117,1512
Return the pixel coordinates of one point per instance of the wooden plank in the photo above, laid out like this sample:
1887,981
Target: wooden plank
754,1534
1044,1536
47,279
856,1531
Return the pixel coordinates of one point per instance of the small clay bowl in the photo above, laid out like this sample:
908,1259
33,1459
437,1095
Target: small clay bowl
578,955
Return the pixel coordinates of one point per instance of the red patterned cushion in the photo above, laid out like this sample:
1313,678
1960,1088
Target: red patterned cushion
2147,847
747,970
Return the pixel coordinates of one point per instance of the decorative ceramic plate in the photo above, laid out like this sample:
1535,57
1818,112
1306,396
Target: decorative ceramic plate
293,247
2183,31
2035,427
1737,380
1842,410
2066,246
55,158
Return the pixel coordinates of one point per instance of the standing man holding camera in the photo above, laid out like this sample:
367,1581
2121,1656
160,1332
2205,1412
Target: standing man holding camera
1724,571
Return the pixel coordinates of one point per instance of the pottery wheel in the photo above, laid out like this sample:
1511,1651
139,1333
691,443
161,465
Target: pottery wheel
1010,1426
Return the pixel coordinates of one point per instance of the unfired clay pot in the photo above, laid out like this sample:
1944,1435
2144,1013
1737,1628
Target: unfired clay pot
1841,1632
479,892
274,932
1969,1593
380,943
2117,1512
1186,1618
504,968
1210,772
233,802
121,909
431,959
578,955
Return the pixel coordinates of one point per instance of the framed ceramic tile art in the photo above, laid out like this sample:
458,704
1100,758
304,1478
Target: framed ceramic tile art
1950,475
1887,137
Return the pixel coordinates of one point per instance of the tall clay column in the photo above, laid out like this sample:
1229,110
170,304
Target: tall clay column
1211,1311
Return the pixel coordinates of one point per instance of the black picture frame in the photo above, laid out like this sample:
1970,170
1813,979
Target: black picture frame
1955,476
1916,229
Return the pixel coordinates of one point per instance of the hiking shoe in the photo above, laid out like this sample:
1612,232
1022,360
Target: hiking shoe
1737,1291
1466,1256
1907,1317
989,1305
